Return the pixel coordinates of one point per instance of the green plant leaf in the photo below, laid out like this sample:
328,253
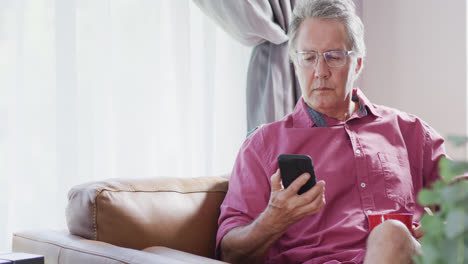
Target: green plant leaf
428,197
466,225
437,185
448,195
455,223
430,254
466,250
449,251
418,259
449,169
454,193
458,140
458,167
444,169
432,226
446,232
461,250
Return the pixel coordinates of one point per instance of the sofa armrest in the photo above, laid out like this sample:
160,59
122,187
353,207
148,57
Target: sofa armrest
170,212
62,247
181,255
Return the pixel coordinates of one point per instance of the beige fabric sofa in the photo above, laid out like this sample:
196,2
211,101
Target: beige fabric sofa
160,220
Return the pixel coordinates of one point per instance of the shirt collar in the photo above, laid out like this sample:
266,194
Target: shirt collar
366,103
318,119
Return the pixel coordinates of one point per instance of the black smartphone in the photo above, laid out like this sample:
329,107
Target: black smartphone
292,166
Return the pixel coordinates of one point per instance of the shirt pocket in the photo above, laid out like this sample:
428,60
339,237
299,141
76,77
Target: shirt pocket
398,180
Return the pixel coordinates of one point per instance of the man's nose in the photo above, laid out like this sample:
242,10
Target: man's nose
322,70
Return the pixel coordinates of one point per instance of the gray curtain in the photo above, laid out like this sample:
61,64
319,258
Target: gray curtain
272,90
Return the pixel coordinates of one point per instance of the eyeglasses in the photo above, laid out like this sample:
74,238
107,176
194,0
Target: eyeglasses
334,58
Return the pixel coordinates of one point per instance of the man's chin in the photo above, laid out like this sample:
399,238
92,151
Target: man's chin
318,103
322,107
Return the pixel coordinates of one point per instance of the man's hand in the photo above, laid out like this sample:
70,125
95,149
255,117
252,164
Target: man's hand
286,207
250,243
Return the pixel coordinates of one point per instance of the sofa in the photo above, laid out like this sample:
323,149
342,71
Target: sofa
159,220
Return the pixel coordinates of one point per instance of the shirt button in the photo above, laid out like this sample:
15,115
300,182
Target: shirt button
363,185
358,151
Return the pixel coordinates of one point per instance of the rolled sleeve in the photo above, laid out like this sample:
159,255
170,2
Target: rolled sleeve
249,190
434,150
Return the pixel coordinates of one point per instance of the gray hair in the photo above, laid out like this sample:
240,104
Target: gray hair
344,10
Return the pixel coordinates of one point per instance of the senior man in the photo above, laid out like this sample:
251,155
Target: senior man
370,157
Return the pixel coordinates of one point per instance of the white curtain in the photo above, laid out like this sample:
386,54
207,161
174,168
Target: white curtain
95,89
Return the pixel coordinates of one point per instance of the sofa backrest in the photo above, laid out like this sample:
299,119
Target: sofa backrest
172,212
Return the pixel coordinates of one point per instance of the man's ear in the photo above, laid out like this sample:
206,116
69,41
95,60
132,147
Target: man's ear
358,65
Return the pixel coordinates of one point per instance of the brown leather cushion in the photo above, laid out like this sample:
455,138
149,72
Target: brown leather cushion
171,212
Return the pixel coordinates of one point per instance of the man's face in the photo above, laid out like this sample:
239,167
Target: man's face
326,89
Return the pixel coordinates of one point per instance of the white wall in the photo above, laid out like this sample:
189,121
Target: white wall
416,60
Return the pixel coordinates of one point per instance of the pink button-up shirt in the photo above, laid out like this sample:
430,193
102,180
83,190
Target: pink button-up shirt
373,163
